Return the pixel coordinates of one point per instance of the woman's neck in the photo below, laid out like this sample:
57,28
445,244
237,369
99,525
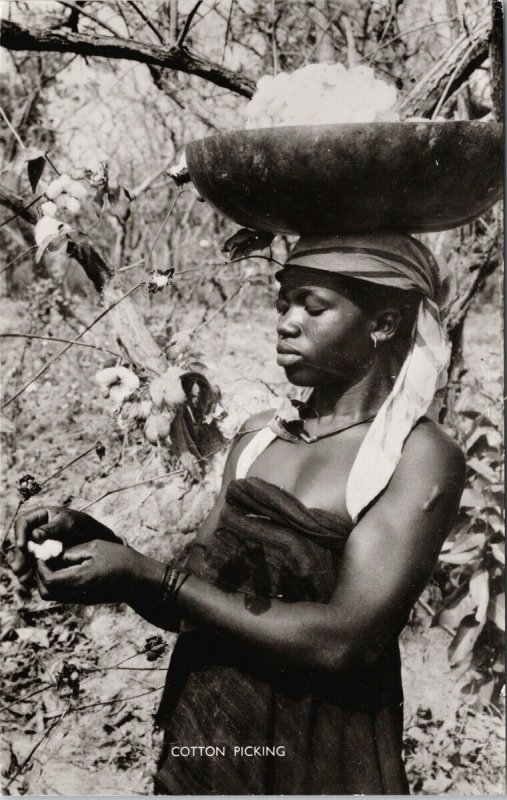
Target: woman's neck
343,403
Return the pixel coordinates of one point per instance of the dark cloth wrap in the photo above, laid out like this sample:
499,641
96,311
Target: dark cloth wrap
340,735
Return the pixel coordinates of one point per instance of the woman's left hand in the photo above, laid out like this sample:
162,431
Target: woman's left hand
95,572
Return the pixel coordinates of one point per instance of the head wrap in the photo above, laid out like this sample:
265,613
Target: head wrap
398,260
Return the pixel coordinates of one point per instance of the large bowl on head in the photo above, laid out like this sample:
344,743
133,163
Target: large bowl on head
350,178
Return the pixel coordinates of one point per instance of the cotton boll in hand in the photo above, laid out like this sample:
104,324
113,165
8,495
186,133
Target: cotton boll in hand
51,548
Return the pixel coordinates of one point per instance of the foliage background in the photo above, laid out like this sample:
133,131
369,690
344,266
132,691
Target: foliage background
80,684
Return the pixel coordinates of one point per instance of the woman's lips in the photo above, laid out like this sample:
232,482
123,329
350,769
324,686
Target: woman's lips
287,355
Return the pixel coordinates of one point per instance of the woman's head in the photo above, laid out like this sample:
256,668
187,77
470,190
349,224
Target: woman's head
333,327
369,287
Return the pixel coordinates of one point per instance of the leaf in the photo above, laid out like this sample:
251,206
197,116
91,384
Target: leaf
471,499
496,610
453,615
467,541
18,163
97,270
246,241
38,636
498,551
44,246
119,200
464,640
458,558
35,168
99,200
479,590
481,467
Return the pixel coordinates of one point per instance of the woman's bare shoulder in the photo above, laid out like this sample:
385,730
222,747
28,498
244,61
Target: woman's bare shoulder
430,448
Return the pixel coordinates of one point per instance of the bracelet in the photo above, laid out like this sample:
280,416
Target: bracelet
172,581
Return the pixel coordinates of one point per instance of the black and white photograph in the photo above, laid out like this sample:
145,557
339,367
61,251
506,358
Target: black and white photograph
252,349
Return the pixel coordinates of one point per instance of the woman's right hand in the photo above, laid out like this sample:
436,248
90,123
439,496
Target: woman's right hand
53,522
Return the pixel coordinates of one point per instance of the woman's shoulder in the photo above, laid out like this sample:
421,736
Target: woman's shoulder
430,447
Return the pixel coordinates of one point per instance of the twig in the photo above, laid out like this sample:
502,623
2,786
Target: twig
51,164
24,253
134,194
11,128
432,614
131,266
413,30
146,20
226,39
150,480
163,224
25,208
443,96
349,36
25,697
112,702
227,263
80,456
84,13
36,747
62,352
187,24
390,18
9,526
58,339
221,308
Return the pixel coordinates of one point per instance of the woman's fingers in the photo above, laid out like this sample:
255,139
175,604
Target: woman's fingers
78,554
57,584
23,528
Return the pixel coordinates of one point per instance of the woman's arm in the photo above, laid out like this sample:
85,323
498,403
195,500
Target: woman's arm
386,563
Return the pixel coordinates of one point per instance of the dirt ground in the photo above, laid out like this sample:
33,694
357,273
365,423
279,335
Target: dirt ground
106,744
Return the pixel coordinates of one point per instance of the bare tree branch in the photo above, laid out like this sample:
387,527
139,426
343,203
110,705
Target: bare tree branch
15,37
449,73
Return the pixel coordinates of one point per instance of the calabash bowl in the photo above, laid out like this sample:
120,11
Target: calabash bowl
350,178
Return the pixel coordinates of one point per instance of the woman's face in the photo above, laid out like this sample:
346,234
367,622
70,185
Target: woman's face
323,336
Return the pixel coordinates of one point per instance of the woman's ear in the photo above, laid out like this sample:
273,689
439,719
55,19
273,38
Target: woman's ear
385,324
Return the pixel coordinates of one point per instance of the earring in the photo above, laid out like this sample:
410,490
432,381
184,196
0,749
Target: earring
375,341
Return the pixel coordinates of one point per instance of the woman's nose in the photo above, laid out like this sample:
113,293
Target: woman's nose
289,324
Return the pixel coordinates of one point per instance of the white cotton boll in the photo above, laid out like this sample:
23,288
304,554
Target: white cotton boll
384,96
363,72
387,116
118,383
46,226
77,189
65,181
264,82
157,391
118,394
51,548
54,189
157,427
319,94
72,205
48,208
173,390
105,377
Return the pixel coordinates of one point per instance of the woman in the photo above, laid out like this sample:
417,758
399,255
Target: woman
285,678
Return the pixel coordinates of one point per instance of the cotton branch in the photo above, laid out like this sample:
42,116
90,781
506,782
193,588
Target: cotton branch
15,37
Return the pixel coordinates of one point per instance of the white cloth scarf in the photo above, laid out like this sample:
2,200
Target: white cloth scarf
402,261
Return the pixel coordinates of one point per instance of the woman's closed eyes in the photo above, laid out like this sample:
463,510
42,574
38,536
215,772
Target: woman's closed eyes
311,307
